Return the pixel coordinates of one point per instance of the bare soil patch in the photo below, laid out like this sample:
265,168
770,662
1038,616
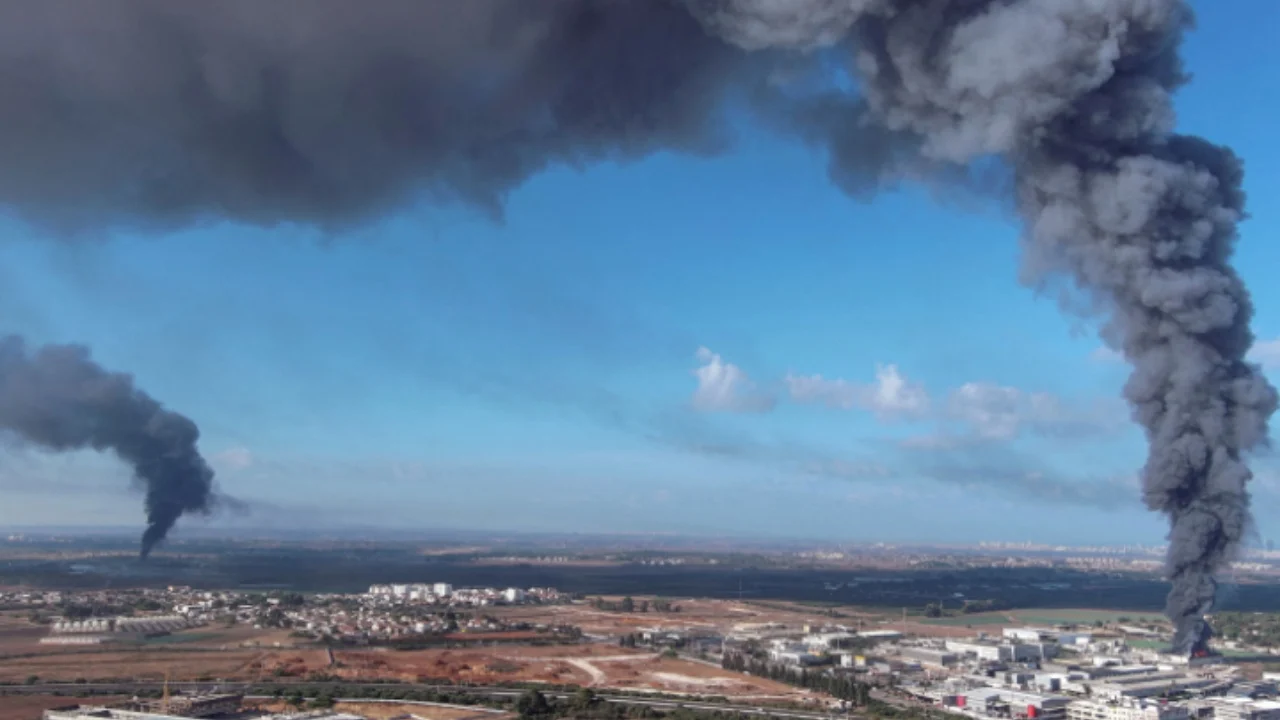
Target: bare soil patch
686,676
495,664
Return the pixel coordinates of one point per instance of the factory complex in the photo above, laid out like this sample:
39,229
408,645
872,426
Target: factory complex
1065,675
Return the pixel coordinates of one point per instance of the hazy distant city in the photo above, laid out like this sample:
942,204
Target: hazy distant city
989,631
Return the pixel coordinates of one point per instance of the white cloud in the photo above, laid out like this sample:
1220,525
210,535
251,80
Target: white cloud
724,387
997,412
1266,353
236,458
973,412
890,396
1104,355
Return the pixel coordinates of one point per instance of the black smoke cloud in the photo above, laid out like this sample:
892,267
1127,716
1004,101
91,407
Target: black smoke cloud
326,113
57,398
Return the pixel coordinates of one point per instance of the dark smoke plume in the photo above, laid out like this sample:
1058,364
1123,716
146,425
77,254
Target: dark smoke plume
1077,97
326,112
57,398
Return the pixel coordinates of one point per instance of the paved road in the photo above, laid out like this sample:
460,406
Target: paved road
129,688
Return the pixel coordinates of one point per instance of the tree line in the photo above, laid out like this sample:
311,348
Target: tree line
629,605
842,686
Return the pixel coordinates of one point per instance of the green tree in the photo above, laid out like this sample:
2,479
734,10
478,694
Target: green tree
933,610
533,704
584,698
628,605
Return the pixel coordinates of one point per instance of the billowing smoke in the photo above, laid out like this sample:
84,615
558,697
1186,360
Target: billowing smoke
57,398
323,112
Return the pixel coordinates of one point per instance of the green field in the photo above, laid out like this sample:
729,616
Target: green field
991,618
1083,617
180,638
1043,616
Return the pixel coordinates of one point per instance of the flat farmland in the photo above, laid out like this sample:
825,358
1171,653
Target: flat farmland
68,666
17,634
1039,616
956,629
1084,616
229,653
718,616
986,621
236,652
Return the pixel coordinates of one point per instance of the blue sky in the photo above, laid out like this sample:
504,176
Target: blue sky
677,345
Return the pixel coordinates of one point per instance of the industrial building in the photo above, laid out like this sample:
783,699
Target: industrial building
192,706
1138,710
930,656
1004,652
793,654
826,641
1047,635
880,635
1145,685
78,639
1243,708
152,625
989,701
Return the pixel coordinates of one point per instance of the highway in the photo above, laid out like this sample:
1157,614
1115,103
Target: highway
335,689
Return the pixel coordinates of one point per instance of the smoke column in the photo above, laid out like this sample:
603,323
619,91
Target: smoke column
161,114
57,398
1076,96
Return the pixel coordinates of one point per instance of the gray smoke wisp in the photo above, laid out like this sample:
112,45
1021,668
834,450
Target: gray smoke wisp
57,398
326,113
